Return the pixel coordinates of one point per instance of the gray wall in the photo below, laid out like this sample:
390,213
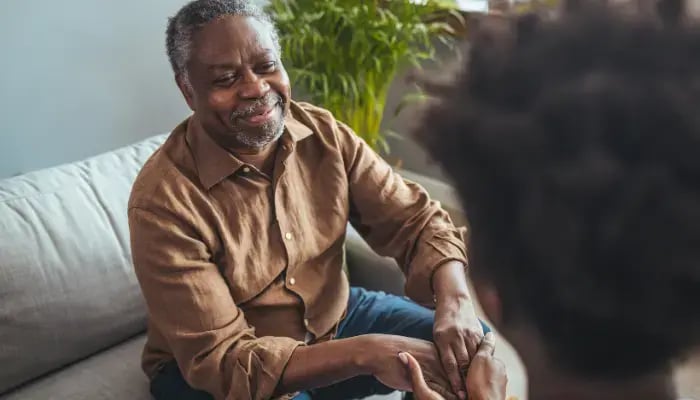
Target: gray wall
81,77
405,151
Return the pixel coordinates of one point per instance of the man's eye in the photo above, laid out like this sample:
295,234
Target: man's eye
225,80
268,66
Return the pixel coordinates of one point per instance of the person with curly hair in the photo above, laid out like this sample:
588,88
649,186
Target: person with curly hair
574,144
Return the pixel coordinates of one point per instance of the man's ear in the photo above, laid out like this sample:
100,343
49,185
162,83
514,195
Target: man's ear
186,90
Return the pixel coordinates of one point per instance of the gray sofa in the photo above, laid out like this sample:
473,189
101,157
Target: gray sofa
72,318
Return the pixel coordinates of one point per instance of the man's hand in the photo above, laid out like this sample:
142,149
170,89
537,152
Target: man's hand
457,330
486,378
380,359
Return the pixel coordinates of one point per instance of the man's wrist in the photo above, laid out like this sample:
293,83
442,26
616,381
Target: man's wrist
449,283
364,354
328,362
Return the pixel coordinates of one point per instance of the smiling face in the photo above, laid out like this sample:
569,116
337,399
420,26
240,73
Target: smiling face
237,85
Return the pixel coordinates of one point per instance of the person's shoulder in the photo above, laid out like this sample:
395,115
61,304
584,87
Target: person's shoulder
166,175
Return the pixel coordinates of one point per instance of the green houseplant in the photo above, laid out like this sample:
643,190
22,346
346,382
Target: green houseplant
344,54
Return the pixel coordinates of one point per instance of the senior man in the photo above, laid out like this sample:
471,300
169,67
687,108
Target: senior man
237,228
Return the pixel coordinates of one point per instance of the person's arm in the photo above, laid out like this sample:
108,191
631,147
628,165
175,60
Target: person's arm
373,354
398,219
457,330
190,304
323,364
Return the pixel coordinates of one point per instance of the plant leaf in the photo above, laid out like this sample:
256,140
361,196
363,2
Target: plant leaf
344,54
410,99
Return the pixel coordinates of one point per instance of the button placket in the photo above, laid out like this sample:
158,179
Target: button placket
287,235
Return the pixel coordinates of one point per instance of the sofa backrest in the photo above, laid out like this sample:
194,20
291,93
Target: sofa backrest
67,287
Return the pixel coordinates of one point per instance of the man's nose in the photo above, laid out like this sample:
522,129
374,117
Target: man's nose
253,87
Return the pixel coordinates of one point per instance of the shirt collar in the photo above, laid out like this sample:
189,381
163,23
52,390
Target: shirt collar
214,163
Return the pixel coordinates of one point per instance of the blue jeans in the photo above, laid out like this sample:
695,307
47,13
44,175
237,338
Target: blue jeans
368,312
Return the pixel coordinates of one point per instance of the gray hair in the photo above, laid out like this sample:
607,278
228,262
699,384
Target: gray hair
194,15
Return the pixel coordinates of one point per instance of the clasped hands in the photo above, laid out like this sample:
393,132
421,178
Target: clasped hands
459,365
485,378
443,370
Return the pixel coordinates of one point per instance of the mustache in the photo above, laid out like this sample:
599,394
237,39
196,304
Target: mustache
270,100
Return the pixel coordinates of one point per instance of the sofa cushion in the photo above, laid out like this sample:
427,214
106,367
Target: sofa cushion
67,287
113,374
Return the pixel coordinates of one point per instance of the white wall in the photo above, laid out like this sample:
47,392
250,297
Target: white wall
80,77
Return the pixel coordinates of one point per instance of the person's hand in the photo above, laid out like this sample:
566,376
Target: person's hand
486,378
457,331
380,358
421,390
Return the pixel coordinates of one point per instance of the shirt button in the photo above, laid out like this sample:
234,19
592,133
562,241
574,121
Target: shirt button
246,170
288,236
292,281
306,322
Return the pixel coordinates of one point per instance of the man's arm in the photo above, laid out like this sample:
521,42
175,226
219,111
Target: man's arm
322,364
398,219
330,362
190,304
457,331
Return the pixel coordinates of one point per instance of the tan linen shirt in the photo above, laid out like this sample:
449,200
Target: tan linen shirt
238,267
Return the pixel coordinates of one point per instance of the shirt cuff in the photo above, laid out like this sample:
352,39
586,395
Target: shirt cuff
271,354
431,254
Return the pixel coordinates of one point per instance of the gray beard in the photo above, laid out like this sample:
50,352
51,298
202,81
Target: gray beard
271,131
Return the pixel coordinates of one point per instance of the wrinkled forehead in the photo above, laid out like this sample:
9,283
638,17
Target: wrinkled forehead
233,39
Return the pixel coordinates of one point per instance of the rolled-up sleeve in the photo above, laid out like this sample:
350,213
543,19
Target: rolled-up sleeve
190,304
397,217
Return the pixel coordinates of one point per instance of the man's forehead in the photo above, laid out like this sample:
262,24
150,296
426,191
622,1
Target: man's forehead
233,36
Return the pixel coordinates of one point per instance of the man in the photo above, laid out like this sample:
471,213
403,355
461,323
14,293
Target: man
237,229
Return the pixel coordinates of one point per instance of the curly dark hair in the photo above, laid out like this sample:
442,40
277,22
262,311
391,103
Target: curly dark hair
574,143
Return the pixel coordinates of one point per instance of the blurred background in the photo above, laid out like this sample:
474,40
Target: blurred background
81,77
